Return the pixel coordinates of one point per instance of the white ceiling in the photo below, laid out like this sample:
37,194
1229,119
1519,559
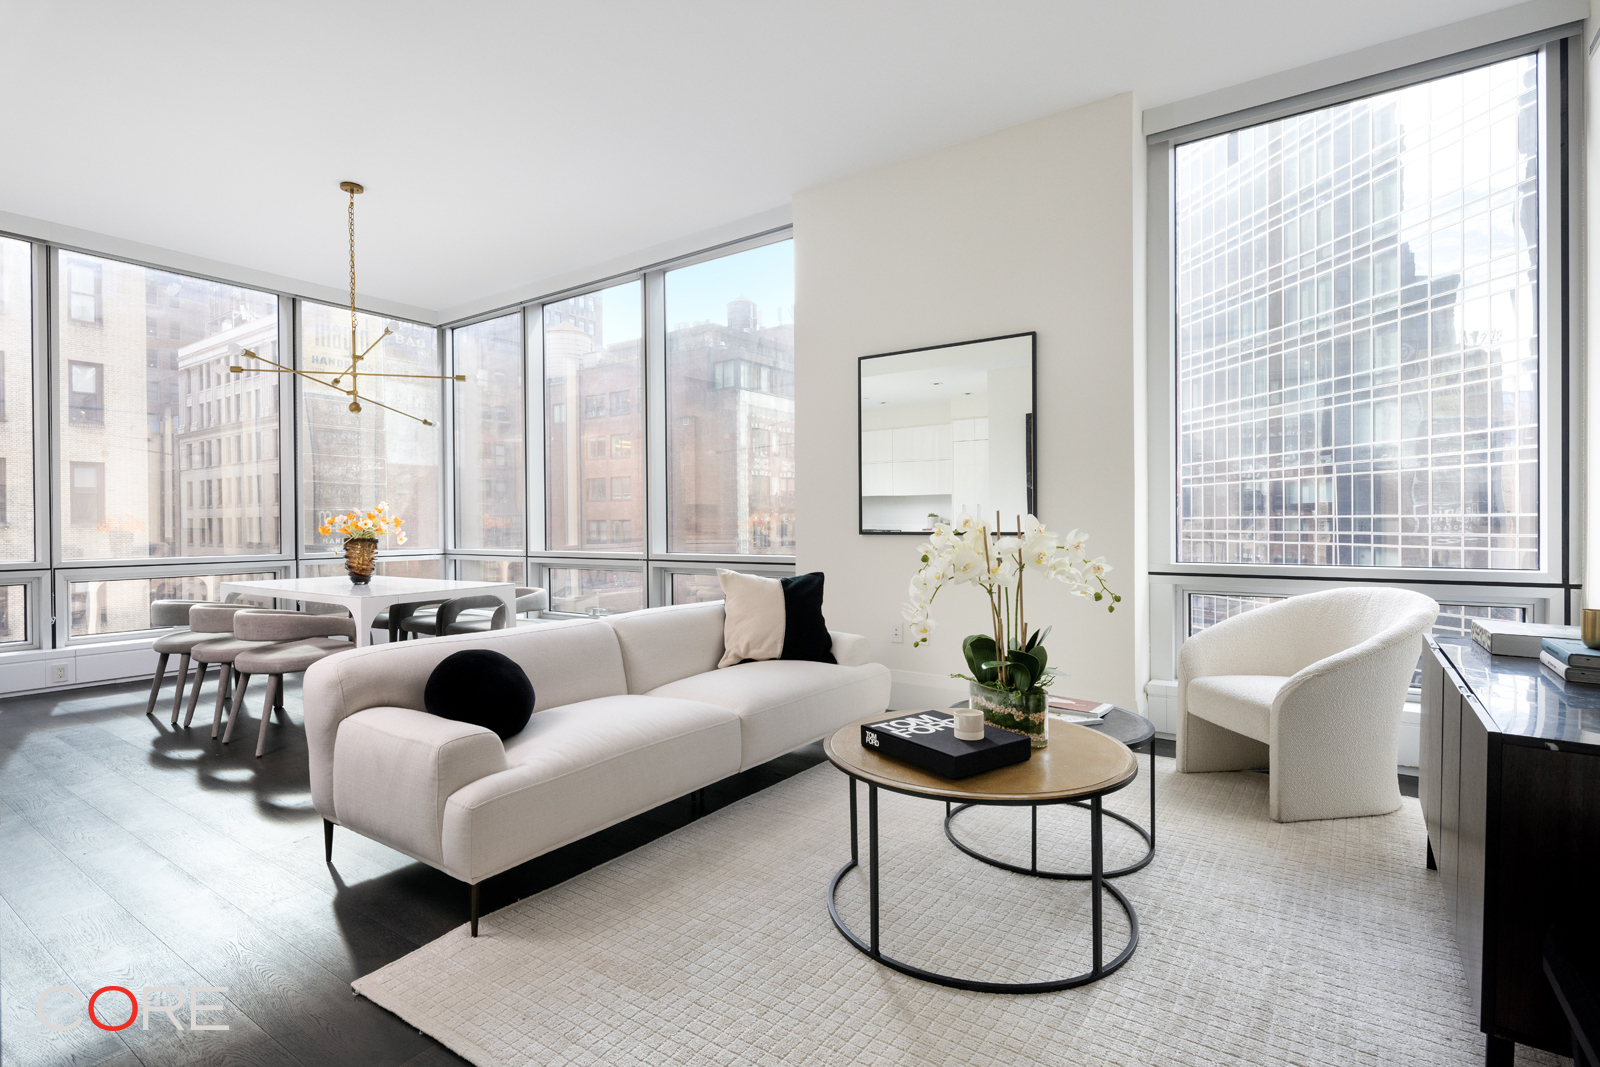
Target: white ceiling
505,143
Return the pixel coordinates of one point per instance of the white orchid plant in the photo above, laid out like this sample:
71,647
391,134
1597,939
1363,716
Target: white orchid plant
972,552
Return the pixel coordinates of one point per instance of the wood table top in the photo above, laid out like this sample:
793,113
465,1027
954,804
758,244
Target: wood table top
1078,762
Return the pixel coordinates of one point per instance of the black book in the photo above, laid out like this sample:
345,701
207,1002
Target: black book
927,739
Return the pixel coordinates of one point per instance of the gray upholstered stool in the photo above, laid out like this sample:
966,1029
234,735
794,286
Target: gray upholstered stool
165,613
281,644
216,622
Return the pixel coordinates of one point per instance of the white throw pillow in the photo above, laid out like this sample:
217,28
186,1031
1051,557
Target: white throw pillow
754,623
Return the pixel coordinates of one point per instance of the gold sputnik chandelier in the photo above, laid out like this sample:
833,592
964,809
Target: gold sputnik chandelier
352,372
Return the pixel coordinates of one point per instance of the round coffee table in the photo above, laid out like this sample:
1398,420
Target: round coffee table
1126,726
1080,765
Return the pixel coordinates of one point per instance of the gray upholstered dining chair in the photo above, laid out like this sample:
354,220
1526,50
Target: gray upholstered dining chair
390,619
216,622
281,644
474,614
165,614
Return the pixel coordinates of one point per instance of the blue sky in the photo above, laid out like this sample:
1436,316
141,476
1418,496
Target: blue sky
701,293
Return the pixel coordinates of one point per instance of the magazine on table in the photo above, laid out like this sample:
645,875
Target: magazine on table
1076,710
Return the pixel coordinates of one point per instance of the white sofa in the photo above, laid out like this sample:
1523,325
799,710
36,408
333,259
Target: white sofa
630,712
1312,686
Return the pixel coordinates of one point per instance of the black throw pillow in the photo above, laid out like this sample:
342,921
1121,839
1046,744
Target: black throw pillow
805,631
481,687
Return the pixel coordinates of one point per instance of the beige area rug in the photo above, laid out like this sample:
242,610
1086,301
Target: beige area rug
1260,943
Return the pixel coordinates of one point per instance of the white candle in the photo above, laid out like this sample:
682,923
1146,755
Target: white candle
969,724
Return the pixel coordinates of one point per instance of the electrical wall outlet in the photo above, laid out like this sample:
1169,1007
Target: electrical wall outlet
60,672
896,634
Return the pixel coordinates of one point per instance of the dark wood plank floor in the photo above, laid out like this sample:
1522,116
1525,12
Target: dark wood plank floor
134,854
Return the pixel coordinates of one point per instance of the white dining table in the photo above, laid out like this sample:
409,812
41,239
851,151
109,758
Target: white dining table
366,601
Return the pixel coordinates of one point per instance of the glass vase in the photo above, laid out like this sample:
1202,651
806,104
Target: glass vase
359,558
1023,713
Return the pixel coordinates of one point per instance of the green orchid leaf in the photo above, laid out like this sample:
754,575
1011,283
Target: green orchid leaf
1021,678
1028,661
978,649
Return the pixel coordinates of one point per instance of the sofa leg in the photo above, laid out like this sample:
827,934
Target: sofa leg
474,889
327,840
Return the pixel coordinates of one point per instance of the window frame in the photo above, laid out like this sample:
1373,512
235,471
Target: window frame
650,406
541,566
297,468
1553,592
662,571
453,479
37,619
62,578
57,396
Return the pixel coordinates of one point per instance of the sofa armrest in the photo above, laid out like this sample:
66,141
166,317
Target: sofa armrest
851,650
394,768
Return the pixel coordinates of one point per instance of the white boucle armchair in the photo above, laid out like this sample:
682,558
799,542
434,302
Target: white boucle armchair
1312,687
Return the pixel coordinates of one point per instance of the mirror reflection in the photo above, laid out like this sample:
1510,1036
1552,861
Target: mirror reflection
945,430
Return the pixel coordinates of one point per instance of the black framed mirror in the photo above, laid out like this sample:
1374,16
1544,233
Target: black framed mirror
946,429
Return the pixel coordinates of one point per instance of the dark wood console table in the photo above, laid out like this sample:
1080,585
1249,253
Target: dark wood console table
1510,790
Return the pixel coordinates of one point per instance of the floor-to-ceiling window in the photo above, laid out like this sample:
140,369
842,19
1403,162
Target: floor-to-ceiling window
165,452
183,449
489,448
660,415
730,404
594,421
387,453
17,540
1358,331
1363,327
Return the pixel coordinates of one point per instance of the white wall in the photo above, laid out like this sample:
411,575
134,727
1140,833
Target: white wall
1039,227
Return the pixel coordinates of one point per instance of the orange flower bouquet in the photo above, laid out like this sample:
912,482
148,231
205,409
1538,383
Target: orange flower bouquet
361,532
371,525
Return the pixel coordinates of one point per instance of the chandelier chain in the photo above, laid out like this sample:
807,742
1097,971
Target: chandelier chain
352,218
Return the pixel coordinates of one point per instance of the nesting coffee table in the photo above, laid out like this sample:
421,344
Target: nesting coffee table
1126,726
1080,766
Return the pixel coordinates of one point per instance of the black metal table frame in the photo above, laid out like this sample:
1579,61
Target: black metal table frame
1073,876
1098,886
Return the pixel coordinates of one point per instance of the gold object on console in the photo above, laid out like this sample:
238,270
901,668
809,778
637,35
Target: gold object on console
1591,627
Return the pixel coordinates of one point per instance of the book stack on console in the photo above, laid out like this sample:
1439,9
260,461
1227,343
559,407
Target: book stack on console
1525,639
1572,661
927,739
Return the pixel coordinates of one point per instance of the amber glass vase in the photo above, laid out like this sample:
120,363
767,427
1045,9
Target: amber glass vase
359,558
